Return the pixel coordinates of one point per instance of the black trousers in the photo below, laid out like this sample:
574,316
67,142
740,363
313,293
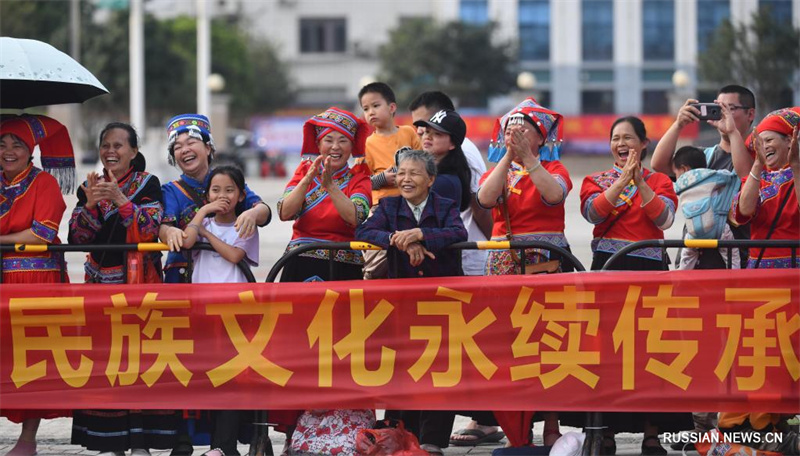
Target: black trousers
430,426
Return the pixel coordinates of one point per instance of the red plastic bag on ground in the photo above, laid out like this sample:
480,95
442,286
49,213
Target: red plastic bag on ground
388,441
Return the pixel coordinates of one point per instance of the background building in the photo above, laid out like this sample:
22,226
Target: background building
587,56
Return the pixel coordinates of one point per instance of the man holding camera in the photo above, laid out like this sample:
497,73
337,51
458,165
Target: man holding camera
741,103
732,100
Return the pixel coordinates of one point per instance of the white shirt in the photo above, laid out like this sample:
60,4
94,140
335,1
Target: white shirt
417,210
473,261
210,267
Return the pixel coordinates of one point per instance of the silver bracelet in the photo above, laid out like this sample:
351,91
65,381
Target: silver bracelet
754,176
531,170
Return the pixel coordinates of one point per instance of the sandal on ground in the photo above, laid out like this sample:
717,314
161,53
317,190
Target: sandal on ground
432,449
653,450
609,446
480,437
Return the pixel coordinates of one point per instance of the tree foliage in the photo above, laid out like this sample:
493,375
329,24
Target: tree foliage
459,58
256,78
762,56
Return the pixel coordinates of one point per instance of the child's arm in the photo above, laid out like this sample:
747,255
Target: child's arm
194,228
227,251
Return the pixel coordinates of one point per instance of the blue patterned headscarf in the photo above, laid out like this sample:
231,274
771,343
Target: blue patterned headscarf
196,125
546,121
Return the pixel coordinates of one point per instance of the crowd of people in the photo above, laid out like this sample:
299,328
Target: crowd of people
413,191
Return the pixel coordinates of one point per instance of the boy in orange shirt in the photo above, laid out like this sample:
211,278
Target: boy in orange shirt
379,104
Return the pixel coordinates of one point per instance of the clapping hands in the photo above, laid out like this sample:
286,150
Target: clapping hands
98,189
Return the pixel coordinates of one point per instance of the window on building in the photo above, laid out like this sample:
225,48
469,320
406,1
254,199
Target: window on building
658,29
781,10
474,11
655,102
323,35
710,14
534,29
598,29
597,101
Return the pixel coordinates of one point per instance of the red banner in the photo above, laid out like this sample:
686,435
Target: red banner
588,127
626,341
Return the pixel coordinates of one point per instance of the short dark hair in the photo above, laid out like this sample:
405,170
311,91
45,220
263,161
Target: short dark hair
746,97
133,138
381,88
434,100
690,157
419,156
236,175
638,128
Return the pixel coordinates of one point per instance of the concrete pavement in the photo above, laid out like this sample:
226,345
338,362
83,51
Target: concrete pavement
54,438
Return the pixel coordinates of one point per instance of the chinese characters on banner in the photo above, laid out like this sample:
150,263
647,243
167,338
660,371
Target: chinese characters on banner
694,340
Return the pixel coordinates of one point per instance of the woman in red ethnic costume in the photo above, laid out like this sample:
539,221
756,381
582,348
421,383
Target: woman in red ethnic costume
628,203
31,207
769,196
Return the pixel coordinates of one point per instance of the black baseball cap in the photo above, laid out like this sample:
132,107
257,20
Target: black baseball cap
447,121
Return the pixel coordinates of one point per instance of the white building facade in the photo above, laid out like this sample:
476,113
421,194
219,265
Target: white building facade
588,56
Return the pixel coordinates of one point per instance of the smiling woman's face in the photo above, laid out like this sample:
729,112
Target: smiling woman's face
191,155
336,146
776,149
624,141
116,152
14,156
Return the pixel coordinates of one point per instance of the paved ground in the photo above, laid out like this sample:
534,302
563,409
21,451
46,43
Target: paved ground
54,437
54,434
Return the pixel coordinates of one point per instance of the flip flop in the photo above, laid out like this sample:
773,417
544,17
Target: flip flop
481,437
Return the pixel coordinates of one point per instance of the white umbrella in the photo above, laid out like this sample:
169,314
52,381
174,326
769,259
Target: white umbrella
33,73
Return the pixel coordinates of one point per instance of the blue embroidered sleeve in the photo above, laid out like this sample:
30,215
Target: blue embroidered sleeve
43,232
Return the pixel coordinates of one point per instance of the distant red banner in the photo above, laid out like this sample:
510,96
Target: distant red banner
622,341
589,127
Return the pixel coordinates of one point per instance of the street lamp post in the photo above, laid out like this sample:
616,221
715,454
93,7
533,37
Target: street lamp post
203,57
680,90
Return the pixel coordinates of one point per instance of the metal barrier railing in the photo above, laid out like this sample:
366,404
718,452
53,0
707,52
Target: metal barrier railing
141,247
665,244
482,245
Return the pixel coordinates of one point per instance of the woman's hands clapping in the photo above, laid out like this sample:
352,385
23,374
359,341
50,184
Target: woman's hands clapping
99,189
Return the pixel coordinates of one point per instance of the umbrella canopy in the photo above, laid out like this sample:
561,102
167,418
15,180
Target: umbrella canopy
33,73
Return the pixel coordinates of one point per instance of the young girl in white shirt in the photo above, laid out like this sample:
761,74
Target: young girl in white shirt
214,223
